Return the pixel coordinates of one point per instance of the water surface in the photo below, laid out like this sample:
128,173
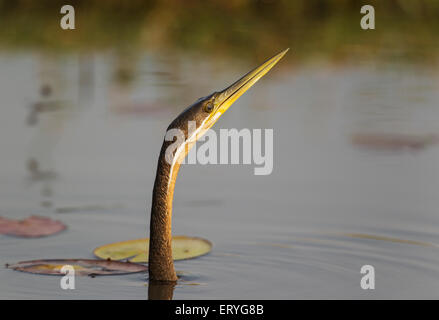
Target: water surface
79,140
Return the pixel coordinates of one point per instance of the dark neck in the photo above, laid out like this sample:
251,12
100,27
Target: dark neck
161,265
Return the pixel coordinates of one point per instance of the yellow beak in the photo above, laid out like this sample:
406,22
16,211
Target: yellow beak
229,95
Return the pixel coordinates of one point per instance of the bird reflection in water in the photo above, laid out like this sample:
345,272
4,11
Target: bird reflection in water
161,290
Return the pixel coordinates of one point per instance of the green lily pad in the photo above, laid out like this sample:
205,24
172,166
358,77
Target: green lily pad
137,250
82,267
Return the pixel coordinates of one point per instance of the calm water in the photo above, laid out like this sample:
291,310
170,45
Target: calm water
91,139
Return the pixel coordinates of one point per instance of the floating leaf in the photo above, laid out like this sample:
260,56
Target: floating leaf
34,226
137,250
394,142
82,267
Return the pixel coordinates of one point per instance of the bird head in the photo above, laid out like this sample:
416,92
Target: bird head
206,111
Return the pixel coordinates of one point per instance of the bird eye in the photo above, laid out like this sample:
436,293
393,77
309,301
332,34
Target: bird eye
209,107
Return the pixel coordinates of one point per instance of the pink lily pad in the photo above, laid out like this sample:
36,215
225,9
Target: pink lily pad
34,226
82,267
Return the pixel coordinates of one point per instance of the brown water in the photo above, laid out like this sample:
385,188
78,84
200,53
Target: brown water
88,157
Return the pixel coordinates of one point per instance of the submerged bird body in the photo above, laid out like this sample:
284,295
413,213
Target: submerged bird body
203,113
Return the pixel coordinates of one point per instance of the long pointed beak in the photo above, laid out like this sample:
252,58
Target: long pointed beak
229,95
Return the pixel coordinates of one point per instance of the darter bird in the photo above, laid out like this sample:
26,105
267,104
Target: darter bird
205,112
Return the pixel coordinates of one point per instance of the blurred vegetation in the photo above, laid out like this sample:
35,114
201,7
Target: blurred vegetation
314,29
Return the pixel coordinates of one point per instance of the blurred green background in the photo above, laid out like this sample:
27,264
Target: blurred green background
314,29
